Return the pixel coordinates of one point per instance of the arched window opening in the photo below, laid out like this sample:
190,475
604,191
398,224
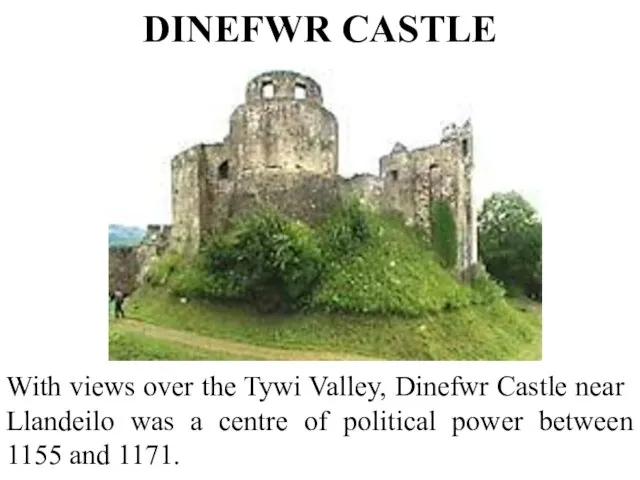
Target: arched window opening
223,170
268,90
435,182
465,147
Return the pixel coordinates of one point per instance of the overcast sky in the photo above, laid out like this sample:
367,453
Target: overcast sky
175,95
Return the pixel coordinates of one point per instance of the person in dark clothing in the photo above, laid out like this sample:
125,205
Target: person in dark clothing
118,300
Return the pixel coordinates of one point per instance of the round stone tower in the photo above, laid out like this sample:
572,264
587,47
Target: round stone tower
283,126
283,144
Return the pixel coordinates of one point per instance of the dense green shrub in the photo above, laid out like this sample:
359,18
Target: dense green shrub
444,238
162,270
510,243
195,280
346,230
273,261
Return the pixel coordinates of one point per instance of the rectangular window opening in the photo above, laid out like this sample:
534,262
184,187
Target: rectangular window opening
300,92
223,170
268,90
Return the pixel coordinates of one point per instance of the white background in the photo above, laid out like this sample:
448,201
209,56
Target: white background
87,108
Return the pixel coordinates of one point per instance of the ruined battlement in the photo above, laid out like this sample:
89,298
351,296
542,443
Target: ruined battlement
283,85
452,131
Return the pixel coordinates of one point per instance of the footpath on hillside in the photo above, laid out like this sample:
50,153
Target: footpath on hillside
239,349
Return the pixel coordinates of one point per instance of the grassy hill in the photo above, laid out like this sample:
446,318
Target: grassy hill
493,332
384,296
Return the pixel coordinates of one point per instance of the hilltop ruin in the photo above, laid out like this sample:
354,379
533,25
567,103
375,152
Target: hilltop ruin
282,151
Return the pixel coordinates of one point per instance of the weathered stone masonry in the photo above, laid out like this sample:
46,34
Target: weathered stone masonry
123,269
282,151
129,265
413,179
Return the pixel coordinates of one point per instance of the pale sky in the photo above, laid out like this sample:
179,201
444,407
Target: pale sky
175,95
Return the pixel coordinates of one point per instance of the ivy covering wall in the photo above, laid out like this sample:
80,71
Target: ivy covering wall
444,238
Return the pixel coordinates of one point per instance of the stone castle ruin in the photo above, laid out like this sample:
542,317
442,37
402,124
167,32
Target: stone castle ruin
282,151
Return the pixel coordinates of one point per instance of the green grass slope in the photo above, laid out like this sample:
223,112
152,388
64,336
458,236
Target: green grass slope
385,297
393,273
497,331
135,346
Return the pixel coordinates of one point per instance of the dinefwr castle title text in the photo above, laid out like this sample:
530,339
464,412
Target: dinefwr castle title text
354,29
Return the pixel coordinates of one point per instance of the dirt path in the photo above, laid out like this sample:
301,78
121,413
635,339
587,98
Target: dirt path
230,347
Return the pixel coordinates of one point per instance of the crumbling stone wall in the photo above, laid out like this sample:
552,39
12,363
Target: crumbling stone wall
123,269
220,173
304,196
369,188
459,140
282,152
398,173
155,242
129,265
188,181
414,179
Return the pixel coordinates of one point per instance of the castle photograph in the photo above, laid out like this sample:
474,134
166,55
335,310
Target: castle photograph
271,254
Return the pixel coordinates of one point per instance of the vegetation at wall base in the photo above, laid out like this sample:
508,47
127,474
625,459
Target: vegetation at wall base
393,273
269,260
357,262
444,239
360,284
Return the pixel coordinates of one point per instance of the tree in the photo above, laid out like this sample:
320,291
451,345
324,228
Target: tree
510,243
